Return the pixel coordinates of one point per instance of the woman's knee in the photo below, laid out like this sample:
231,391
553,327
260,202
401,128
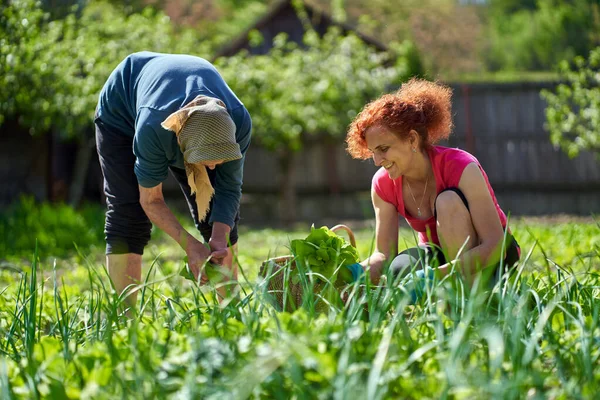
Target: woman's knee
413,258
402,264
127,229
449,204
126,244
454,224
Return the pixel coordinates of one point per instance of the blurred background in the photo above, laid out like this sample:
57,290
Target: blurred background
525,76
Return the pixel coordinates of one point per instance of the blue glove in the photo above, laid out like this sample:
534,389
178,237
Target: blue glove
418,283
357,271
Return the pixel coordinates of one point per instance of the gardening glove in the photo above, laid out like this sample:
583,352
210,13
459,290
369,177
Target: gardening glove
418,283
357,271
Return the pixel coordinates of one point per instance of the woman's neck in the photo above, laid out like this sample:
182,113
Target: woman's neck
422,168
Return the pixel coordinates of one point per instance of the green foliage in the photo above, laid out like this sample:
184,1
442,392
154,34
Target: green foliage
535,334
53,70
573,110
528,37
20,21
315,89
324,253
56,228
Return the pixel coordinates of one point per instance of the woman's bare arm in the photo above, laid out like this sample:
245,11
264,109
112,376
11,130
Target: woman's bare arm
153,203
386,236
486,223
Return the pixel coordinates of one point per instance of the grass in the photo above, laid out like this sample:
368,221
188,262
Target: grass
536,334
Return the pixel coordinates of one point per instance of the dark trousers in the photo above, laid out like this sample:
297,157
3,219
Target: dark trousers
127,228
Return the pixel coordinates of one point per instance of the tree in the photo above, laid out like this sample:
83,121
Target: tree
294,93
573,111
22,78
53,70
537,35
217,21
457,37
447,34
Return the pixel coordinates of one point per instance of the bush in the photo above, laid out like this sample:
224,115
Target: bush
57,228
573,110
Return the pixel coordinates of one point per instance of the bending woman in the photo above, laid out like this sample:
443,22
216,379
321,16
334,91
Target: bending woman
443,193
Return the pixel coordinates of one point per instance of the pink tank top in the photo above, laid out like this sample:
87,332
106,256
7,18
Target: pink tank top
448,165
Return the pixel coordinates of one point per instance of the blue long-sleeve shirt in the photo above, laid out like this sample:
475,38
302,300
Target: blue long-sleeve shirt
148,87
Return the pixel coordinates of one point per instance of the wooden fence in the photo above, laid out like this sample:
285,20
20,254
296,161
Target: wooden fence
501,124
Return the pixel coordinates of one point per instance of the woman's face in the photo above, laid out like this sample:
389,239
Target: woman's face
211,164
389,151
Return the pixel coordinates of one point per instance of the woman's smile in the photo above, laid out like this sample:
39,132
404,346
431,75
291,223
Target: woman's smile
389,151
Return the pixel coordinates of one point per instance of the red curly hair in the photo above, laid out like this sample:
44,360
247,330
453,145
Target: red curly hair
419,104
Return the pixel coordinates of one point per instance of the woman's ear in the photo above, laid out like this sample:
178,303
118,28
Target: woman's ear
413,138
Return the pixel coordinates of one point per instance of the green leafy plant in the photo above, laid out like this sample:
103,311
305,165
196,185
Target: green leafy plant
325,253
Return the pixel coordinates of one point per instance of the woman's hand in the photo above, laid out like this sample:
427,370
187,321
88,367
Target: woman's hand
219,243
198,254
418,283
219,250
386,236
156,209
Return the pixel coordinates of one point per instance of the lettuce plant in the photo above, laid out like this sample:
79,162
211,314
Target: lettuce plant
326,254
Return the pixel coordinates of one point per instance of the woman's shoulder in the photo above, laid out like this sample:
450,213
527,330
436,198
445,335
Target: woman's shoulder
384,186
451,162
381,175
451,155
381,180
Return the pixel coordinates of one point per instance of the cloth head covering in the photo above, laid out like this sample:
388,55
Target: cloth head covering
205,132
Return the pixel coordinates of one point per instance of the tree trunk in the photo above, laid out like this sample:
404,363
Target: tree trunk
81,167
287,194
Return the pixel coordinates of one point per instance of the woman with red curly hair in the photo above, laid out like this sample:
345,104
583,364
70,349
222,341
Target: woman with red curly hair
443,193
